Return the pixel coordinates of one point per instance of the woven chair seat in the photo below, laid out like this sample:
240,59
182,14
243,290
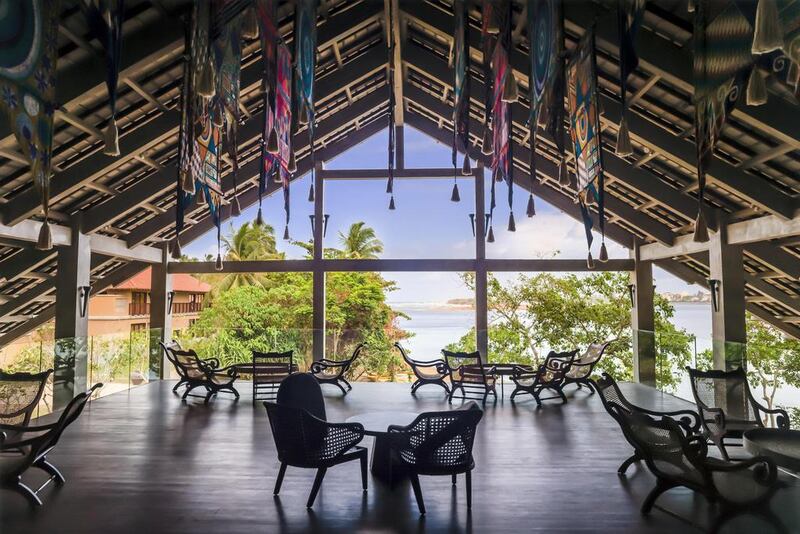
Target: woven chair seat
428,372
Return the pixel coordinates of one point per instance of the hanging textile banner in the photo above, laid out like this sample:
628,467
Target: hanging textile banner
283,124
104,18
584,123
306,57
185,147
488,43
501,107
461,92
629,17
28,59
266,13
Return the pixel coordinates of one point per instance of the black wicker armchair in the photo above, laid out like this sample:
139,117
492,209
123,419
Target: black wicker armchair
727,407
305,439
332,371
427,372
550,375
20,394
580,372
23,447
677,459
470,375
437,443
610,394
204,373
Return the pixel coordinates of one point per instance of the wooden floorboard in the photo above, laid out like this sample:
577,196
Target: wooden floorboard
145,462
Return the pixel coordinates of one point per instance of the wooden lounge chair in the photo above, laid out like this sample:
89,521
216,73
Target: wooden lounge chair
580,372
204,373
304,438
427,372
727,407
437,443
468,374
20,394
550,375
269,370
23,447
332,372
610,393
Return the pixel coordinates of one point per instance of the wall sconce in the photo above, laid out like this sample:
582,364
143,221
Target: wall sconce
83,298
632,294
170,298
713,285
472,222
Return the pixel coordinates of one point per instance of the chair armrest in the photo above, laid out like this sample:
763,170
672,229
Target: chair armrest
782,419
344,435
688,419
769,474
491,371
232,371
719,416
523,371
211,362
320,365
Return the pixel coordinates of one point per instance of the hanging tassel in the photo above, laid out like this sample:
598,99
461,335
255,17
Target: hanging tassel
311,193
563,173
391,203
259,218
700,229
218,264
531,208
111,139
768,34
466,169
603,252
45,241
510,91
486,144
624,147
490,237
756,88
472,223
303,118
187,184
250,25
691,7
590,261
201,196
176,248
286,233
292,168
272,141
389,186
236,208
492,27
218,114
512,226
455,196
205,81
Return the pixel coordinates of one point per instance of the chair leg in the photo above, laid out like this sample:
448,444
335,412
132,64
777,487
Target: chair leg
721,446
186,393
469,489
28,493
210,394
454,479
654,494
179,384
591,387
563,397
349,387
281,472
51,470
452,392
623,468
415,386
317,483
417,492
364,471
338,385
444,385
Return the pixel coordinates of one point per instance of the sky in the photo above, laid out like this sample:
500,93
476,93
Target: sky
426,224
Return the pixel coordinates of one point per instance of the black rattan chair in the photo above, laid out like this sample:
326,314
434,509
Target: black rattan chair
269,370
427,372
23,447
550,375
680,460
470,375
304,438
437,443
580,372
727,407
20,394
332,372
204,373
610,393
168,349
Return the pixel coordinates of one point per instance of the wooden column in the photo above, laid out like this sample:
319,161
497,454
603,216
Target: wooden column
160,314
318,313
481,276
728,329
71,321
643,321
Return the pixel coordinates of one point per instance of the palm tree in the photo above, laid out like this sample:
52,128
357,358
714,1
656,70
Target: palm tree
248,242
360,242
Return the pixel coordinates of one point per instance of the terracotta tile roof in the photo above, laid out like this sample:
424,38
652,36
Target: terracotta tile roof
180,282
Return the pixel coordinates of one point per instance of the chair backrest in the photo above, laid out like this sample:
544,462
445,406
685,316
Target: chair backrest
726,390
465,366
20,394
582,367
556,366
302,391
168,349
72,411
267,366
188,364
436,440
609,392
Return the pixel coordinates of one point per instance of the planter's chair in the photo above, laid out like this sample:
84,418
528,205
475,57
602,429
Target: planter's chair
23,447
204,373
727,407
269,370
169,349
437,443
610,394
470,375
332,372
305,439
580,372
20,394
551,375
680,460
427,372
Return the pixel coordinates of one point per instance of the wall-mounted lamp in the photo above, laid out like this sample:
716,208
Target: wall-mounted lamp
170,298
472,222
713,285
83,298
632,294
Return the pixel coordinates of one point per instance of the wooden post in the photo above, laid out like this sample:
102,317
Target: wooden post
160,314
72,319
643,321
728,327
318,269
481,276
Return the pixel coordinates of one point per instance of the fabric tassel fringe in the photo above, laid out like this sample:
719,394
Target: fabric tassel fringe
531,211
490,236
286,233
691,7
768,34
259,218
391,203
455,196
218,264
590,261
236,208
311,193
303,118
111,139
510,90
603,252
201,195
250,25
187,184
292,167
45,241
512,225
272,142
466,169
563,174
176,249
486,143
389,187
700,229
624,147
205,81
756,88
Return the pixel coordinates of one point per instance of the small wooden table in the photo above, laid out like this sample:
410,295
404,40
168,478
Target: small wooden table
507,369
377,424
782,446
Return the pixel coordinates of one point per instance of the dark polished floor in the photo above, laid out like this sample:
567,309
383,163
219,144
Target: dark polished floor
143,461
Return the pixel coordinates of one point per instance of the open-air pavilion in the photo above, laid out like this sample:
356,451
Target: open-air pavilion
184,467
